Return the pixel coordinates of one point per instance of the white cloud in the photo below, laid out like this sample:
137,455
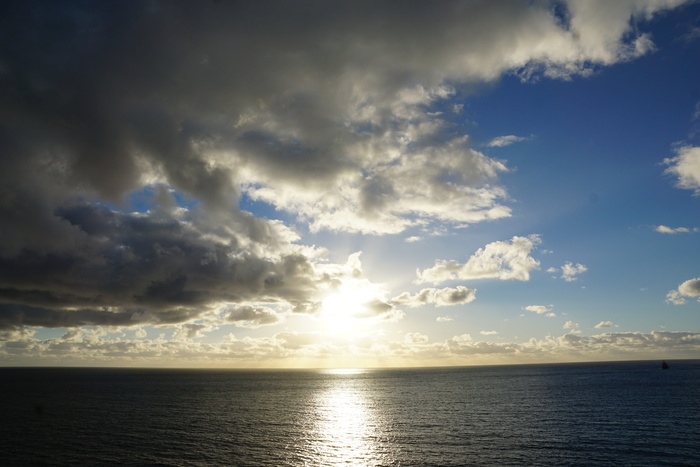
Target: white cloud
444,319
689,288
675,297
605,324
502,141
439,297
570,325
539,309
671,230
509,260
686,166
488,333
569,271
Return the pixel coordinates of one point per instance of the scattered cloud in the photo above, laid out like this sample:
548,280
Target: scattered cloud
488,333
508,260
686,166
569,271
439,297
444,319
539,309
689,288
605,324
570,325
503,141
675,297
674,230
691,35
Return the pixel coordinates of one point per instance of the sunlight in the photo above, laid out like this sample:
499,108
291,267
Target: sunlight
346,309
345,425
344,371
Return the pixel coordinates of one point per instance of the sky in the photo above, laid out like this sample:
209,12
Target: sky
348,184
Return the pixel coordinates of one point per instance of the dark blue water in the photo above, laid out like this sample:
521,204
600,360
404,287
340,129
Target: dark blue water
575,414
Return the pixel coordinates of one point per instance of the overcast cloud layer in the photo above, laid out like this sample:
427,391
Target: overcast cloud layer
130,131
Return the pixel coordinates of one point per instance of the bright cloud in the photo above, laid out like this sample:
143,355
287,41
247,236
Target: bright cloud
686,166
412,349
539,309
689,288
671,230
502,141
605,324
569,271
570,325
509,260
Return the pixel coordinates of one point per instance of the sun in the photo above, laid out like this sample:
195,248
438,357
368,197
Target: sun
345,310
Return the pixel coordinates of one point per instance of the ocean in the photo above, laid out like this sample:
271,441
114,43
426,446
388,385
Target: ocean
620,413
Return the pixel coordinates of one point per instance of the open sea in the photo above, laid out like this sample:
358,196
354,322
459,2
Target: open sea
622,413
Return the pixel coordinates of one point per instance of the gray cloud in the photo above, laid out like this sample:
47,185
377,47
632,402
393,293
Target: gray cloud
251,316
439,297
327,110
163,265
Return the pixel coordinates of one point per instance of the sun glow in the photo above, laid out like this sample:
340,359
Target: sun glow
348,307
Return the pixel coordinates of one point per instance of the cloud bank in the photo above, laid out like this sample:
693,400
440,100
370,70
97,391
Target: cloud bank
97,347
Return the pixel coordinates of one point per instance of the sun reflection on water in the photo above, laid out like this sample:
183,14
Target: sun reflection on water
346,424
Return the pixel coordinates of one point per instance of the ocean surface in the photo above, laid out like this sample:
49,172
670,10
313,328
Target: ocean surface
623,413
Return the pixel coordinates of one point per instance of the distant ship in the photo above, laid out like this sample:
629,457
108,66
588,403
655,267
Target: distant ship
664,365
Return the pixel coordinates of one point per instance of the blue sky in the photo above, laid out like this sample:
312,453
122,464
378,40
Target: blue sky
349,184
